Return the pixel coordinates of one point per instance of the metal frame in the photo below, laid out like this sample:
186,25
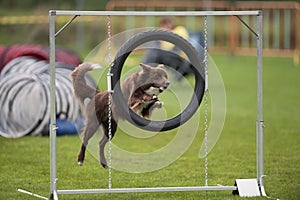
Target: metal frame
259,123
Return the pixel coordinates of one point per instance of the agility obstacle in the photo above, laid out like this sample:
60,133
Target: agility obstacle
24,77
245,187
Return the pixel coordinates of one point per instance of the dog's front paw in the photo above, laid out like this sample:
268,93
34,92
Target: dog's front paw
158,104
154,97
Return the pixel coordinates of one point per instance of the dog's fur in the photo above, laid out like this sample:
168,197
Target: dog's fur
140,90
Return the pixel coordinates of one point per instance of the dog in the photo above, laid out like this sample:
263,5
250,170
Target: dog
140,90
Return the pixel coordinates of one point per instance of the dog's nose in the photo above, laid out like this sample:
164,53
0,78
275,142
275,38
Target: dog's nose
167,84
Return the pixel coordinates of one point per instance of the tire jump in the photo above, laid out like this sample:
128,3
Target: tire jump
196,61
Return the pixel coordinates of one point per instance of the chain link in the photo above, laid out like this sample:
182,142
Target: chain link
206,101
109,104
109,41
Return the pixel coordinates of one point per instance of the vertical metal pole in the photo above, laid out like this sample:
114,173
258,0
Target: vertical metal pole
260,122
52,126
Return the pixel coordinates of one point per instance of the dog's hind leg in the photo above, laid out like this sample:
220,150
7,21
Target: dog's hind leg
90,129
104,140
102,144
81,155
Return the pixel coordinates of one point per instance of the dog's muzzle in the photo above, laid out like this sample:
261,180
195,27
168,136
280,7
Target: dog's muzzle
161,89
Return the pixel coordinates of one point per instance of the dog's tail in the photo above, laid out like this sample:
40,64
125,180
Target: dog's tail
81,89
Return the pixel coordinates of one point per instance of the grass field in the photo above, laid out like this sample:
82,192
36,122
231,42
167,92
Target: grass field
25,161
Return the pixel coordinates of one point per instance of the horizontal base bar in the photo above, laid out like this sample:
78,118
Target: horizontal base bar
154,189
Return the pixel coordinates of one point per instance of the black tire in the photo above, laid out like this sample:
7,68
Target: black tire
196,60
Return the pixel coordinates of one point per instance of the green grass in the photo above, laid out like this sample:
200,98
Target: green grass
25,161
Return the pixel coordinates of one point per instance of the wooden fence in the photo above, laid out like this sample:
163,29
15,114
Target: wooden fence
227,34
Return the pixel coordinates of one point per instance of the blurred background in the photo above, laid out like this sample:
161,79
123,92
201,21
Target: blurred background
26,21
24,96
24,41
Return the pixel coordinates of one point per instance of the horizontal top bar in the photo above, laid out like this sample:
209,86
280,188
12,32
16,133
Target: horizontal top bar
154,13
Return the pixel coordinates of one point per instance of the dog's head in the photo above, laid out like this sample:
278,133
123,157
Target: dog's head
155,79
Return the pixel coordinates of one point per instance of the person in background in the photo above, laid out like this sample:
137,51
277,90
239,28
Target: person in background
168,24
166,53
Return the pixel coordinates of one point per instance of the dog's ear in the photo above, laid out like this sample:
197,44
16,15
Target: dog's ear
145,67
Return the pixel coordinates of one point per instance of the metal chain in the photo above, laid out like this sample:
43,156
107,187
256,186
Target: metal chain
109,41
109,104
206,101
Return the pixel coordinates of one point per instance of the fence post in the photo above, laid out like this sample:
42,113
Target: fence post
297,37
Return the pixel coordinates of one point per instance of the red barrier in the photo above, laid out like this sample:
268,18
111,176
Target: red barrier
8,53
